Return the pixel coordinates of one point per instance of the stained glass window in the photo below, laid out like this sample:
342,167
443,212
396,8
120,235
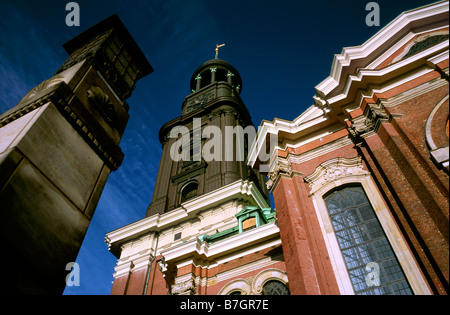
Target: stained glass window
371,263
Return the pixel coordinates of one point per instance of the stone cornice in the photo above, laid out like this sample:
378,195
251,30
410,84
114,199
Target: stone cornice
198,248
68,105
84,115
188,209
354,76
353,57
367,81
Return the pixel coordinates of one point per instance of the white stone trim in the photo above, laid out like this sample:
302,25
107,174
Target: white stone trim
420,17
381,81
420,37
439,58
404,256
265,262
311,117
228,249
319,151
267,275
439,155
413,93
191,209
241,285
428,136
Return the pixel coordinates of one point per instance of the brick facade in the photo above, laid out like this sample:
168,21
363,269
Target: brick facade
394,119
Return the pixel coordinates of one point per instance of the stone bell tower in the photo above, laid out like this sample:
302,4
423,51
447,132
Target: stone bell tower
214,105
210,219
57,148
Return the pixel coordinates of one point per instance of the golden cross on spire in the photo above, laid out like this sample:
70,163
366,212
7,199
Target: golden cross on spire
217,49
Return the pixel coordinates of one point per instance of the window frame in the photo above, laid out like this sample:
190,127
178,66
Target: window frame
357,175
366,224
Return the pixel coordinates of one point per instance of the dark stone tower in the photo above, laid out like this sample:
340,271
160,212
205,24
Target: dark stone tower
57,148
213,105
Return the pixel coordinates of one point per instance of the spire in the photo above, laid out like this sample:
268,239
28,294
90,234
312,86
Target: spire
217,50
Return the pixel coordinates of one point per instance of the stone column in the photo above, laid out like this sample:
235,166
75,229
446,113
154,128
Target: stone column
213,74
198,80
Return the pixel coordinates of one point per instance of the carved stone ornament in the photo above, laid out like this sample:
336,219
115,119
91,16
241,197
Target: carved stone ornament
163,266
374,114
42,87
102,103
333,170
186,287
283,167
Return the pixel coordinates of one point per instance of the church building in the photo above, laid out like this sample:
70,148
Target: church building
360,179
209,228
360,182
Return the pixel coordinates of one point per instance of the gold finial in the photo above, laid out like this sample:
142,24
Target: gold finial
217,49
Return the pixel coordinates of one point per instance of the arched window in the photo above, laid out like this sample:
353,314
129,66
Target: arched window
274,287
189,191
371,263
426,43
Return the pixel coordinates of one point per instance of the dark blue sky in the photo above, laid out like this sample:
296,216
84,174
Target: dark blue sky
282,49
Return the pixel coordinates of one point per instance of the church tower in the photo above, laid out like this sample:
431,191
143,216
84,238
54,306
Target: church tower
57,149
213,148
210,218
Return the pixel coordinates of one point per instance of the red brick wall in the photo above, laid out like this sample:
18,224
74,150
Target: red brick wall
136,281
238,262
157,284
414,187
308,265
120,285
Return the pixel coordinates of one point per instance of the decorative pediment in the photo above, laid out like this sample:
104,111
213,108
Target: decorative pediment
333,170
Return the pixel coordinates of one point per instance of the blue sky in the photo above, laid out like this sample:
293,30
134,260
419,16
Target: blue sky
282,49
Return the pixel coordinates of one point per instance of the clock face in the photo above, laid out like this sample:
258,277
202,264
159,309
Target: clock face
275,288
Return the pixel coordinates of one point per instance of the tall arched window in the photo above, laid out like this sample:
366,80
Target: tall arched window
371,263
